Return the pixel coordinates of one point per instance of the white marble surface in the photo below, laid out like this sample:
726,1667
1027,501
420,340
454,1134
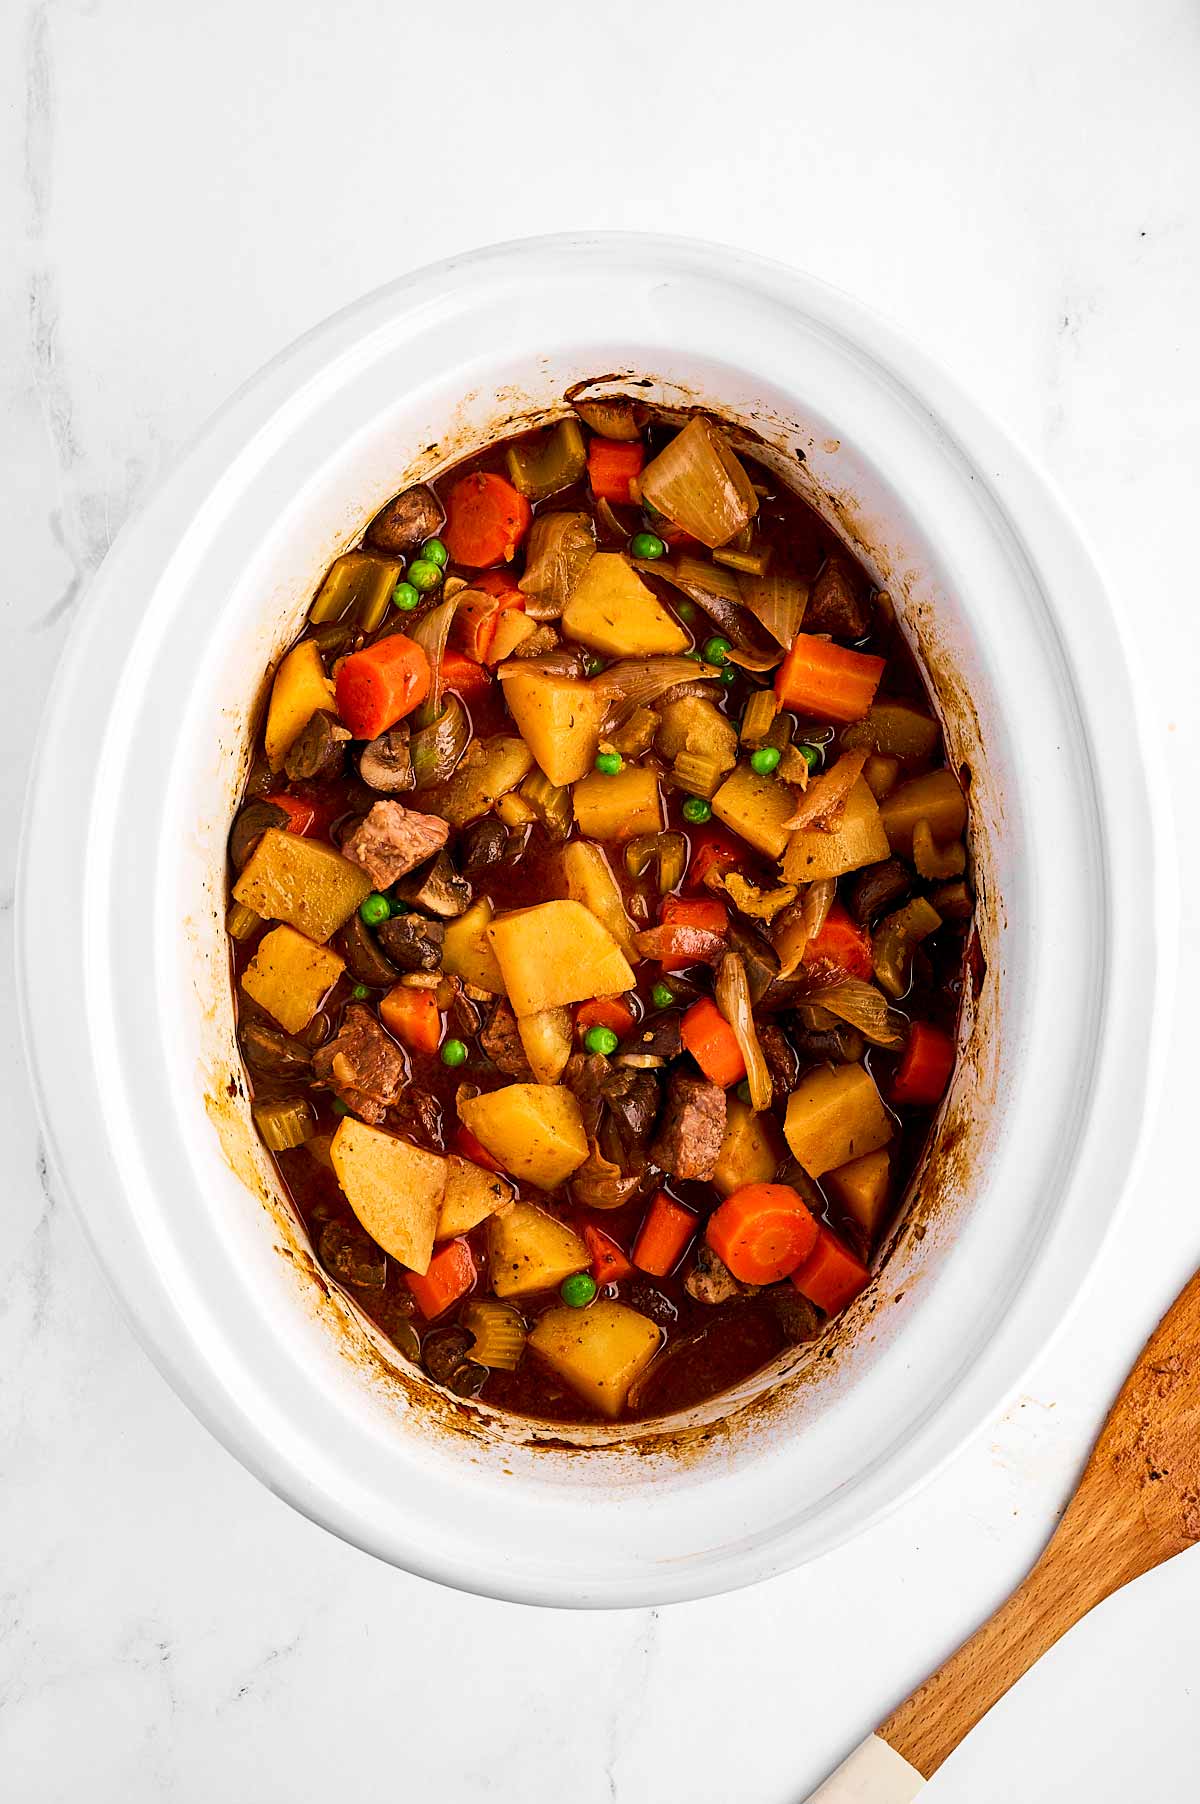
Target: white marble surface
182,191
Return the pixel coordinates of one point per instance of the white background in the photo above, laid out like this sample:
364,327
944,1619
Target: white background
183,189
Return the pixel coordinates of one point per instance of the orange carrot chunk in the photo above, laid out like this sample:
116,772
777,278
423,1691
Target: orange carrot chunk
413,1017
687,912
842,944
379,685
486,519
830,1276
605,1011
612,466
664,1236
467,1147
300,815
450,1276
713,1043
828,680
762,1232
713,853
924,1071
609,1264
465,676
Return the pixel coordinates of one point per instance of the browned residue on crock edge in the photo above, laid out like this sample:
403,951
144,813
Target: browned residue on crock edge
942,1180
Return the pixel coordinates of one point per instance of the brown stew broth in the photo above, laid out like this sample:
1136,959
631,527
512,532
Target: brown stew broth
709,1347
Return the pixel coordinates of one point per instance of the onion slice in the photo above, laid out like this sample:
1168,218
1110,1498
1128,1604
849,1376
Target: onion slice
717,591
800,923
635,682
862,1006
823,803
431,633
560,548
698,482
777,603
732,994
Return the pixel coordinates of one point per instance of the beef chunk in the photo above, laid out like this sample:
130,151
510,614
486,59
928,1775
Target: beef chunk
799,1319
418,1115
415,515
362,1064
836,605
411,942
661,1036
319,749
349,1254
782,1062
692,1128
501,1041
394,840
710,1279
633,1101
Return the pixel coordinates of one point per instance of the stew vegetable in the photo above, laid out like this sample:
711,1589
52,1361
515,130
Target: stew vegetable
598,919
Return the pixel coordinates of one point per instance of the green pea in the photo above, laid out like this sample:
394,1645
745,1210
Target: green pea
811,755
601,1039
593,665
609,763
743,1092
397,907
434,552
662,996
578,1290
717,649
697,810
765,759
453,1053
651,512
406,597
647,545
728,675
359,993
339,1107
374,909
424,575
686,611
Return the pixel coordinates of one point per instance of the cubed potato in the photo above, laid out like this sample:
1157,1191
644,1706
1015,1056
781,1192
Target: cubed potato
472,1194
299,690
859,840
692,724
559,718
935,798
467,950
600,1352
835,1114
590,880
290,976
881,774
529,1250
755,808
512,629
396,1190
556,953
535,1131
546,1038
896,729
303,882
863,1188
490,769
613,611
751,1152
618,807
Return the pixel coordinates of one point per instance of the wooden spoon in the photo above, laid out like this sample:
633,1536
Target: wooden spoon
1137,1504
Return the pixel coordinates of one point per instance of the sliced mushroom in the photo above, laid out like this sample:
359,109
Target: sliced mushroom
386,763
319,749
412,942
799,1319
249,826
415,515
361,952
274,1054
438,888
660,1036
880,886
830,1045
484,844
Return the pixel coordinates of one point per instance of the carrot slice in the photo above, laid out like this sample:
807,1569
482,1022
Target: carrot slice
605,1011
467,678
612,466
301,815
450,1276
379,685
713,853
713,1043
830,1276
828,680
924,1071
413,1017
609,1264
467,1147
486,519
762,1232
664,1236
843,944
